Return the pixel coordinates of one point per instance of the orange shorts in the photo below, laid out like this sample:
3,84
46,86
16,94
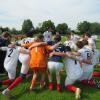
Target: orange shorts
36,69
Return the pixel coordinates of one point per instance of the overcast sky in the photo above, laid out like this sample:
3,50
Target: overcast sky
13,12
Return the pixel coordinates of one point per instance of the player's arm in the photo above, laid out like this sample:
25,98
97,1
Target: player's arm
3,48
76,53
54,46
57,54
87,61
27,45
37,44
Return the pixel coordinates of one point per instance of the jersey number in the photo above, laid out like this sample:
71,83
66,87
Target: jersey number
75,62
88,54
10,52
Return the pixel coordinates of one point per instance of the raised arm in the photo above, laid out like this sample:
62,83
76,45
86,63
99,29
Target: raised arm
54,46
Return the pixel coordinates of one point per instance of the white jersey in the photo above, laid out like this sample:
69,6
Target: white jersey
71,44
24,58
11,59
86,53
47,36
73,68
92,42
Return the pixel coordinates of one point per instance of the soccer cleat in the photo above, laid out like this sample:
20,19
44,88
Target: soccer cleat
78,94
51,86
6,93
58,88
31,88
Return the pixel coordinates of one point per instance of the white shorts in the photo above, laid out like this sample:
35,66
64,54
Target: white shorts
70,80
86,76
55,66
11,71
12,74
24,59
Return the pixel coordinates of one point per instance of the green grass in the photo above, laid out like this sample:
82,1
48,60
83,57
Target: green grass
21,92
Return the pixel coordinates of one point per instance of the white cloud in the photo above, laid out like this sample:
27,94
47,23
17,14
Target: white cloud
13,12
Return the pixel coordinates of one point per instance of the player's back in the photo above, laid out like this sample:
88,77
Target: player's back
86,54
11,57
73,67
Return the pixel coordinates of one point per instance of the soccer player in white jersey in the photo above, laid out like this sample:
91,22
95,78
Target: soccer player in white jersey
24,59
10,62
87,66
92,46
48,35
73,71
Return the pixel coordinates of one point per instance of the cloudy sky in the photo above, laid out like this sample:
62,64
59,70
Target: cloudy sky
13,12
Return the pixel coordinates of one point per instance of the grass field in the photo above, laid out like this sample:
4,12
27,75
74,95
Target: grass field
21,92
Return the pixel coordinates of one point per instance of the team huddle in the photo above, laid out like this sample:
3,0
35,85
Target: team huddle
46,55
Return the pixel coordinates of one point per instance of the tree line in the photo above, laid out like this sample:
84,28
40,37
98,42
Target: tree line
62,28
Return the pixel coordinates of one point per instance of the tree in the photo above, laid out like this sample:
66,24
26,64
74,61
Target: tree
15,31
83,27
62,28
27,26
46,24
95,28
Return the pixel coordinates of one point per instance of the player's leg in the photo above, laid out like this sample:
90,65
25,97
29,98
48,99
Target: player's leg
11,75
58,67
18,80
88,80
33,80
6,91
50,70
58,81
7,81
69,85
24,71
42,82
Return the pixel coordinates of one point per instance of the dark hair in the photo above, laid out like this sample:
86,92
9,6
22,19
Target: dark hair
80,44
40,36
5,34
68,48
87,34
85,42
57,38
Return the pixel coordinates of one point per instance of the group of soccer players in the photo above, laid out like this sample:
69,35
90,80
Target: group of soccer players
77,56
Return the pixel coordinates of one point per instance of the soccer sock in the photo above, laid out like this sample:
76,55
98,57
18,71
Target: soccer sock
42,82
96,74
33,82
7,82
71,88
16,82
84,82
91,82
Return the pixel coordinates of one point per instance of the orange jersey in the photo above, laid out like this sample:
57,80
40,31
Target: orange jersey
38,57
